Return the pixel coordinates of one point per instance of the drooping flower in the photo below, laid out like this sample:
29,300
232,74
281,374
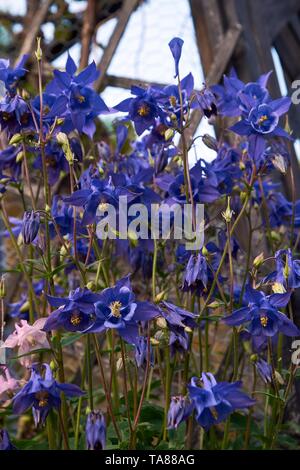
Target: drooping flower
74,313
28,338
180,409
5,443
95,431
262,314
206,100
264,369
287,272
30,226
141,352
214,402
42,393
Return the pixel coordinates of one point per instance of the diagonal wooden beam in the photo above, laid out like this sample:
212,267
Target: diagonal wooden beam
123,18
216,71
34,28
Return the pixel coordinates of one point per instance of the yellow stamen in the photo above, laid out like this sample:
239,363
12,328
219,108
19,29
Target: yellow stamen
81,99
172,100
143,110
264,321
75,319
182,189
262,119
115,308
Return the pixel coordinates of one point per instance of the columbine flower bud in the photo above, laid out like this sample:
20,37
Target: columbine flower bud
2,287
63,140
280,163
95,431
169,133
38,52
258,260
160,296
30,226
19,157
210,142
16,139
161,323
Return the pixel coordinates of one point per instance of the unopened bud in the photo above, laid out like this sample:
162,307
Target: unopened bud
91,285
19,157
2,287
38,52
161,323
16,139
169,134
210,142
253,357
258,260
63,140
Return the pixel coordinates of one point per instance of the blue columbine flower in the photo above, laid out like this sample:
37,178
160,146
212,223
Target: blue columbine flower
95,431
76,101
30,226
141,352
42,393
235,97
180,409
117,308
144,109
262,314
214,402
9,75
287,270
74,313
8,160
5,443
264,369
263,119
206,100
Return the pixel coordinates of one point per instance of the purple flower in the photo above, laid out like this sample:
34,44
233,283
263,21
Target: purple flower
264,369
144,109
263,119
5,443
42,393
180,409
95,431
206,100
74,313
262,314
214,402
117,309
30,226
10,76
287,270
76,101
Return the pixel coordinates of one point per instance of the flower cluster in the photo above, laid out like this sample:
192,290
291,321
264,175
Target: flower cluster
77,317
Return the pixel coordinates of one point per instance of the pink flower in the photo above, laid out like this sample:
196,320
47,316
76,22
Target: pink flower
7,385
28,338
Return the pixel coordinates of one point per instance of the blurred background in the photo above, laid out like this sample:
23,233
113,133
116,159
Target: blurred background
140,50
